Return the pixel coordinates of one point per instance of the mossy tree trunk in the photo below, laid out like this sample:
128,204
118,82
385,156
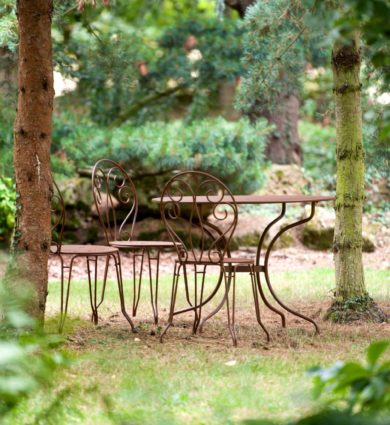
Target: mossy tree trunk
352,300
32,138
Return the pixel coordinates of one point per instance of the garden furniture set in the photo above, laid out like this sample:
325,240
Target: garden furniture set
187,202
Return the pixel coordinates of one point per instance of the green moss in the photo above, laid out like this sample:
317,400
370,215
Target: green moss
368,245
317,238
356,308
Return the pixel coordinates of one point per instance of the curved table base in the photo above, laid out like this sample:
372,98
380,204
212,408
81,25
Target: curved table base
267,255
196,307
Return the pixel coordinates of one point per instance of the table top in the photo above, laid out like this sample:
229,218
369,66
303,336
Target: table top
247,199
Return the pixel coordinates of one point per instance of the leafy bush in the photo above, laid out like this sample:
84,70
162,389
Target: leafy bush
7,207
355,386
360,393
27,359
230,150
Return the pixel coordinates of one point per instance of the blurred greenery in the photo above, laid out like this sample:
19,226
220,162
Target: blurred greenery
360,393
28,357
126,72
7,207
358,387
231,150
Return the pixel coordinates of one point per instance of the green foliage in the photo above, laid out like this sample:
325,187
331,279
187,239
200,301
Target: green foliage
319,159
276,49
362,390
357,387
28,360
7,207
370,17
8,25
326,417
7,117
319,152
124,72
230,150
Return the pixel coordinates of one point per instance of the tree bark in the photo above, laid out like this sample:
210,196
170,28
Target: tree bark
283,145
32,139
350,172
352,301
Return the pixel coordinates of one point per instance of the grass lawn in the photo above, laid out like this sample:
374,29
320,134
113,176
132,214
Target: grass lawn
118,377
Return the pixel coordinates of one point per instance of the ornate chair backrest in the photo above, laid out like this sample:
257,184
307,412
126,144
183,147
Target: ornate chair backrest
184,217
116,200
57,219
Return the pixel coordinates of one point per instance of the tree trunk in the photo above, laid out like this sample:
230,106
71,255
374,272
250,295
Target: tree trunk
347,244
283,145
32,138
350,172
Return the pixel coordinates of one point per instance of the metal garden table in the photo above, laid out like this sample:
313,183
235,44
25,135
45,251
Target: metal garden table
260,267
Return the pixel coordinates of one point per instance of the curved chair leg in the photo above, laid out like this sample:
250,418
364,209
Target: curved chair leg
231,314
93,292
207,300
219,306
104,281
175,281
154,294
62,285
137,287
257,305
187,290
198,308
64,311
118,269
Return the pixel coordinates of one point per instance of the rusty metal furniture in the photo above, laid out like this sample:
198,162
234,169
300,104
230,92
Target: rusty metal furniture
261,266
200,244
91,253
114,193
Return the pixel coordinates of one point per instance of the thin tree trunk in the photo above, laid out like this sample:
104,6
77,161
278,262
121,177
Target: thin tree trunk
350,172
32,138
350,286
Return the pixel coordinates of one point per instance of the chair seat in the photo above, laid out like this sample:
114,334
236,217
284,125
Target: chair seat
227,260
84,250
142,244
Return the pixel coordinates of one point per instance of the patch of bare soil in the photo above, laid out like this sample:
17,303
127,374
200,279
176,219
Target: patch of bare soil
293,258
299,335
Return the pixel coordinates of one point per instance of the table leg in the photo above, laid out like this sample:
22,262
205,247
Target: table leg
266,259
257,274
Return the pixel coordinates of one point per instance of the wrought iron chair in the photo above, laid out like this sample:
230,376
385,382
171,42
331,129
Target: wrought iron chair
91,253
113,188
184,201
